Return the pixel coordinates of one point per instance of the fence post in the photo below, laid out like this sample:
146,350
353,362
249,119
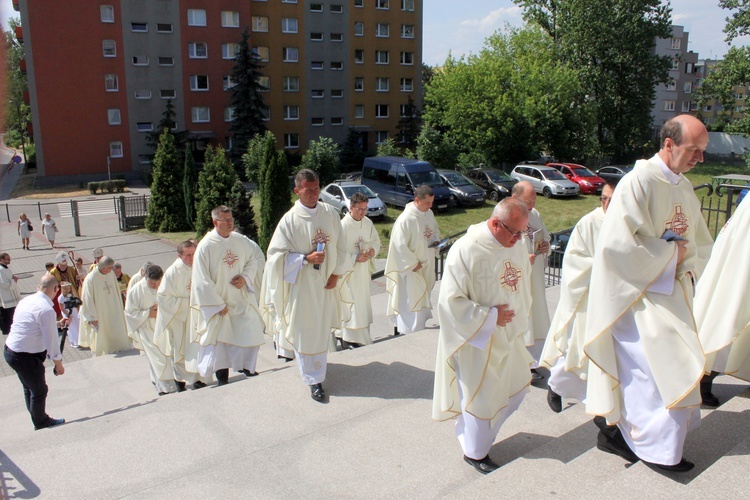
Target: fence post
74,214
122,215
39,207
7,212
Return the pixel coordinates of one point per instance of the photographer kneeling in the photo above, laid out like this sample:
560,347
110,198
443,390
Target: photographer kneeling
69,306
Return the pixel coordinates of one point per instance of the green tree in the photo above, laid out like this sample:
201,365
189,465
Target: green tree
739,23
167,121
254,157
246,100
166,206
409,125
433,147
388,148
214,187
242,210
322,157
352,152
17,114
275,196
189,185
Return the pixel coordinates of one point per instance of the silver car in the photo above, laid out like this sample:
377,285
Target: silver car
546,180
338,195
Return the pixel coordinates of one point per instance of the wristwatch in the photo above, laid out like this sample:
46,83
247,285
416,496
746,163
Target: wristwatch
304,259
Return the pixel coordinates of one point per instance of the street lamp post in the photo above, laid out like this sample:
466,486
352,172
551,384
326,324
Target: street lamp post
109,171
21,129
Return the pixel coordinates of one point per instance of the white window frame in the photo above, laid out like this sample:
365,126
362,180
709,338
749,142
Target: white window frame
265,112
289,25
337,66
382,4
337,93
115,149
140,60
109,48
262,51
291,112
195,83
359,111
382,84
407,85
227,83
316,7
230,19
407,5
669,105
686,106
114,117
316,37
290,54
317,122
379,136
200,114
317,65
336,121
167,94
144,126
229,114
291,84
142,94
359,56
162,60
672,85
114,86
407,56
336,8
359,83
107,13
317,94
196,17
379,59
407,31
138,25
195,48
229,50
687,88
264,82
160,29
291,141
382,30
379,108
337,37
359,3
675,43
359,28
260,24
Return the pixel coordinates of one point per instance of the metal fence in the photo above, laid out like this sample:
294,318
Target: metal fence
132,212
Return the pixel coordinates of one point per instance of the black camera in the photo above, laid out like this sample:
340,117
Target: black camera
71,302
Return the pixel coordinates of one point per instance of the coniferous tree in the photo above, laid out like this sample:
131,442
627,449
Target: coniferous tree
275,196
352,153
189,185
409,125
246,100
167,121
242,210
166,207
214,187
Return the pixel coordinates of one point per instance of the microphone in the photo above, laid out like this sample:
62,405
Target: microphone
321,247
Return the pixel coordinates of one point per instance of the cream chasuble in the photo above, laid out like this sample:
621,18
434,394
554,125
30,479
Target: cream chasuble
102,302
217,260
299,310
479,275
539,317
354,284
138,304
412,234
631,257
722,309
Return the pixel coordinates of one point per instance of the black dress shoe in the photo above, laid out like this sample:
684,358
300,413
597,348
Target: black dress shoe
199,385
536,376
180,386
317,393
248,373
484,465
395,331
616,445
52,422
286,360
162,393
554,400
683,466
222,376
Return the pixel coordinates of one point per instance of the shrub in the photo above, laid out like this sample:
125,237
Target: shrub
93,187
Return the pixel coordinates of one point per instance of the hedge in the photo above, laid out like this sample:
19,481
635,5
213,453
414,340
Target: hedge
115,186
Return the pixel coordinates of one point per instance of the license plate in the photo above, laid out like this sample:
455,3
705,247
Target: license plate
442,206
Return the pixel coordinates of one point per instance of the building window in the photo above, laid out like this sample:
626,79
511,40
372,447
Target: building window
196,17
143,94
676,43
262,53
672,85
199,83
337,93
675,64
359,56
316,7
230,19
260,23
407,31
107,13
382,30
381,57
359,111
229,50
145,159
316,37
164,28
290,54
382,84
381,136
115,149
707,107
689,68
229,115
291,141
200,114
688,88
265,112
685,106
291,112
337,8
381,111
668,105
407,58
139,27
291,84
402,113
317,122
166,61
144,126
381,4
337,121
113,116
110,83
288,1
289,25
140,60
109,48
264,83
407,5
359,83
359,28
317,93
337,37
198,50
407,84
316,65
228,83
359,3
167,94
337,66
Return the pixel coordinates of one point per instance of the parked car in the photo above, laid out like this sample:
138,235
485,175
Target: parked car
496,183
557,246
613,172
394,179
546,180
463,191
589,182
338,194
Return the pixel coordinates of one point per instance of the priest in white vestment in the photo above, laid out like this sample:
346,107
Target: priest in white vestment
646,359
103,327
299,285
722,309
227,272
140,314
482,369
173,331
563,350
362,245
536,240
138,276
410,266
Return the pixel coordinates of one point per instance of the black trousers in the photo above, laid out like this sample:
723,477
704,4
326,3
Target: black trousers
30,370
6,319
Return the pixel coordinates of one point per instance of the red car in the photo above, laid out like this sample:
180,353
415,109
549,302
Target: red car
589,182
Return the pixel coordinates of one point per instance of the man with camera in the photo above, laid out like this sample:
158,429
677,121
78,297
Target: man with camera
69,306
33,339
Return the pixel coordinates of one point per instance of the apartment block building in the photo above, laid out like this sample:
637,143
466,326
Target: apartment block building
100,73
712,110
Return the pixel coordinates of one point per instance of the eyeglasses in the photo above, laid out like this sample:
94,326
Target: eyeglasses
224,220
516,234
604,198
360,209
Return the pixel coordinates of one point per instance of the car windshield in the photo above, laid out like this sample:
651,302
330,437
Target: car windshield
350,190
457,179
553,175
429,177
583,172
498,176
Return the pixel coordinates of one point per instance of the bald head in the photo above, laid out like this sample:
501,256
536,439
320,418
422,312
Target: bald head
48,286
524,191
683,140
508,221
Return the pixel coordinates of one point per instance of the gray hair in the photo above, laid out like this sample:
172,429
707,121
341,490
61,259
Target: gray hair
221,209
672,129
105,262
423,191
508,209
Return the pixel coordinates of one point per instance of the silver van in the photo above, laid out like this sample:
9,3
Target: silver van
394,179
546,180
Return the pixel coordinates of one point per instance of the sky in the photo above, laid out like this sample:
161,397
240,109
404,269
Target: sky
461,26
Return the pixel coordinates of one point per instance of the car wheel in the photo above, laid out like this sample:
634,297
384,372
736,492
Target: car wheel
547,192
454,200
494,196
344,211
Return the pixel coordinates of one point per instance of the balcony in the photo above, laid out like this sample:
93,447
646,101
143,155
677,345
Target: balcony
17,5
22,65
19,34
